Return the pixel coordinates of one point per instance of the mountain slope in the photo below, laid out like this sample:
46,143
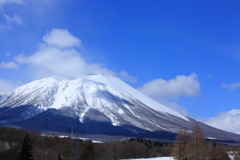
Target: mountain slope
104,105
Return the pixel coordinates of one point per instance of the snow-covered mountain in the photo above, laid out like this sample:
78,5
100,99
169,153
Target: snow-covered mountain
103,104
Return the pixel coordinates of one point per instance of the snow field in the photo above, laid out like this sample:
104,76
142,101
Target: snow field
157,158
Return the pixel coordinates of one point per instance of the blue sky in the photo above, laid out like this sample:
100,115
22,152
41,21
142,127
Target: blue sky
184,54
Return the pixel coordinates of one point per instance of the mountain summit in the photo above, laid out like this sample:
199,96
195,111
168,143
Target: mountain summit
103,104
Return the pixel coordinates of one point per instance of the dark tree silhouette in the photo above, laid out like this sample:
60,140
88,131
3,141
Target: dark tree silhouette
88,152
27,149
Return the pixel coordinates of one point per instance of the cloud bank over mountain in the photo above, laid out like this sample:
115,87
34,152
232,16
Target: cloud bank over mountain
229,121
58,56
162,90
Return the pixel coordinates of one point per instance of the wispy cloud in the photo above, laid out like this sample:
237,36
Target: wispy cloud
11,21
210,77
126,77
8,54
162,90
57,56
229,121
174,106
3,2
232,86
6,85
14,19
8,65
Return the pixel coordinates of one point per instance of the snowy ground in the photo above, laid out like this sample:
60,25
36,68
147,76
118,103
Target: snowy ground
163,158
157,158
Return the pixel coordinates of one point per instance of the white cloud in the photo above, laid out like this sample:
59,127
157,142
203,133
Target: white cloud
180,86
10,21
2,2
229,121
162,90
61,38
54,59
232,86
126,77
8,65
6,86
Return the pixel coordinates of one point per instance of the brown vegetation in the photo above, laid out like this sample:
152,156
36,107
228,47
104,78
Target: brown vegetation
179,149
187,146
51,147
192,146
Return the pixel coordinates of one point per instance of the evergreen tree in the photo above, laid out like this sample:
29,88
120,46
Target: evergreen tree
179,150
27,149
59,156
88,152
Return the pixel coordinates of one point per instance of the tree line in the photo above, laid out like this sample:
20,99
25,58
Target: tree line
19,144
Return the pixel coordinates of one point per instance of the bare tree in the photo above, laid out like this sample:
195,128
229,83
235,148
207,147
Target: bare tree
179,150
196,144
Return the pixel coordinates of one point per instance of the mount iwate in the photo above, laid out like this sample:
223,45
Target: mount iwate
105,106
